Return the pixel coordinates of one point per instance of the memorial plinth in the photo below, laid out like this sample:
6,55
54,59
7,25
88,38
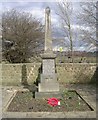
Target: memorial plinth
48,86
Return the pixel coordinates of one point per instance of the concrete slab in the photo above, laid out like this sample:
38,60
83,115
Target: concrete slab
87,114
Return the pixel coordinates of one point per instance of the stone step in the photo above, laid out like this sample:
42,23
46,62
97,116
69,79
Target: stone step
48,87
40,95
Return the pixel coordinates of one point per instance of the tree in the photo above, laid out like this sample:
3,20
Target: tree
65,14
87,18
26,33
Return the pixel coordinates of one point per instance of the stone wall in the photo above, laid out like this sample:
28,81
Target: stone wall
76,73
12,73
67,73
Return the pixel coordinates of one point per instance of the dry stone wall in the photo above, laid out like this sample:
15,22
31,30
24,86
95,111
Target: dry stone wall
76,73
67,73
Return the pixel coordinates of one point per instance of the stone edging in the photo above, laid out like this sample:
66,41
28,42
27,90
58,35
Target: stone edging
73,114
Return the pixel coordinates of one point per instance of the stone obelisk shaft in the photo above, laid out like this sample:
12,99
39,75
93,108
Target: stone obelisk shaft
48,39
48,85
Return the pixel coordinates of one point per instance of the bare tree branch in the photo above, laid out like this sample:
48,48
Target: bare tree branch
24,30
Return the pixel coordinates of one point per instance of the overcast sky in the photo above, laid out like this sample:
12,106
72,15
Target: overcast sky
37,9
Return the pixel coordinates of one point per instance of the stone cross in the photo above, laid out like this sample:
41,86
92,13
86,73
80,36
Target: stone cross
48,39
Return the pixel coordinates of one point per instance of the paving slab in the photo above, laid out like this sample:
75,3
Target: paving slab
73,114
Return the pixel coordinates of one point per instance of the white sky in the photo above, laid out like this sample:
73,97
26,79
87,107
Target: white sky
47,0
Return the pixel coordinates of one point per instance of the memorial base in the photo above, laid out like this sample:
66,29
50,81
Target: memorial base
40,95
48,86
